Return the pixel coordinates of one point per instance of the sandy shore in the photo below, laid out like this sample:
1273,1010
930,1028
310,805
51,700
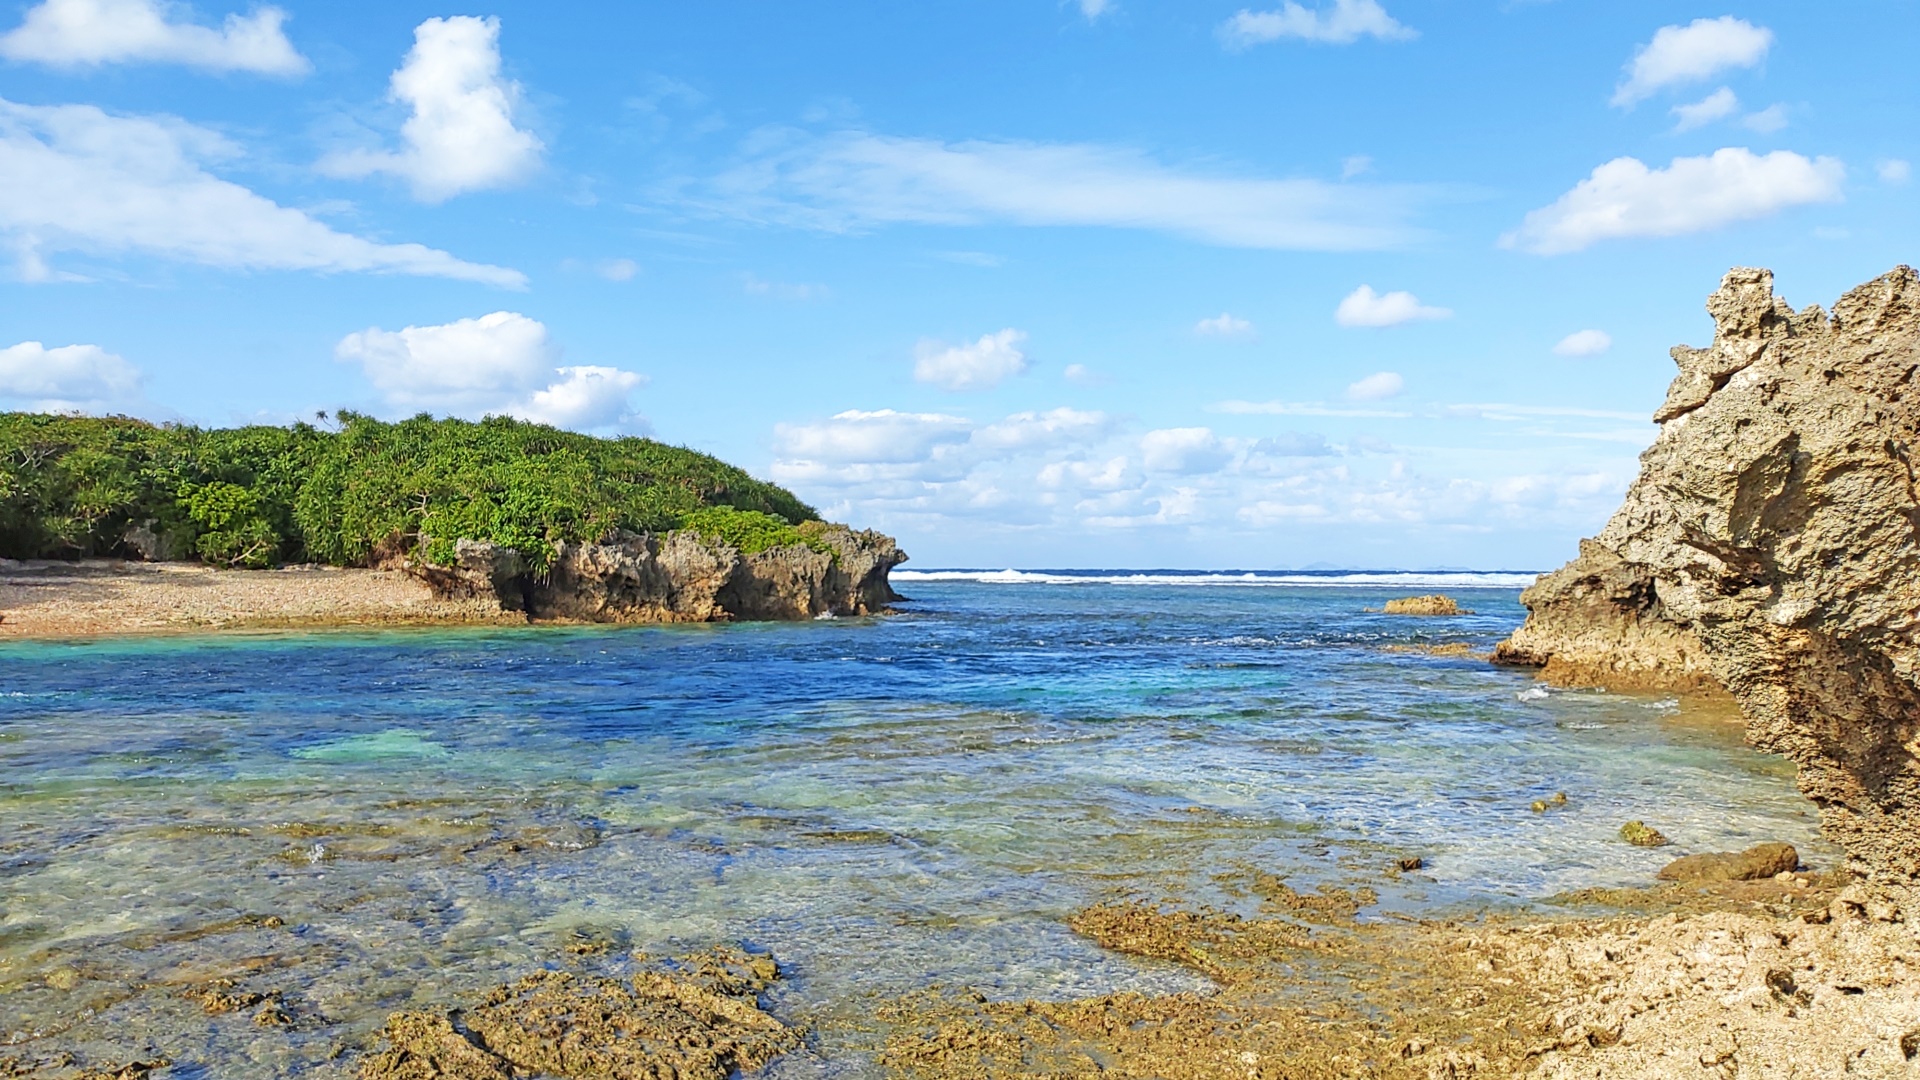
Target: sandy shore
101,597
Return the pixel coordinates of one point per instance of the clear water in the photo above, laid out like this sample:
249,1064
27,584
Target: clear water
883,803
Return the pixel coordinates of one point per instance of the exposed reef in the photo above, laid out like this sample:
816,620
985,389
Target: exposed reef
1769,546
677,577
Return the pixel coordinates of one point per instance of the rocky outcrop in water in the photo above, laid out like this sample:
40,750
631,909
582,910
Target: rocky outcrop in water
677,577
1770,544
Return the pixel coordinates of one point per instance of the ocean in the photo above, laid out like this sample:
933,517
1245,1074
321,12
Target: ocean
374,821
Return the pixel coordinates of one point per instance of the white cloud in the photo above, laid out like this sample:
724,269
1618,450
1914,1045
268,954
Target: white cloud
1718,105
1305,408
1346,22
1183,451
617,269
499,364
1364,307
81,33
1357,165
855,180
1894,171
979,366
70,378
78,179
1625,198
1027,430
781,289
1692,53
1767,120
1224,325
461,136
1377,387
1093,9
1584,343
879,437
1083,375
584,398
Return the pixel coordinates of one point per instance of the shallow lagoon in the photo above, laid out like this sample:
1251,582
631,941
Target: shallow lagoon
368,822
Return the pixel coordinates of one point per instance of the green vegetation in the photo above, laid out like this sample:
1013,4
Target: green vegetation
258,496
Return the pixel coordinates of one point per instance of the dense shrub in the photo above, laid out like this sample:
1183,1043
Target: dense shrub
255,496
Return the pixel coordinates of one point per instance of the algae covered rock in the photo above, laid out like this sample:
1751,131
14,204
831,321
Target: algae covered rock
1640,834
1755,863
1424,605
1772,545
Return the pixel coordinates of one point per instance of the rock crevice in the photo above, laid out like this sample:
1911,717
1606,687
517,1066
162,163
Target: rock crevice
1771,546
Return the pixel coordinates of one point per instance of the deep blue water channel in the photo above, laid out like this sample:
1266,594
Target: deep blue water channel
883,803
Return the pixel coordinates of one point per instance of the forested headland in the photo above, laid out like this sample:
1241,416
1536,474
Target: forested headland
355,491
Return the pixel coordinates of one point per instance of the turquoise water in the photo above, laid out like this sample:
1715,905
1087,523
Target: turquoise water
371,821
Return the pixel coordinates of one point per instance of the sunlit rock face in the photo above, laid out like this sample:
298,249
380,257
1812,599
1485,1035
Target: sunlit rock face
1769,546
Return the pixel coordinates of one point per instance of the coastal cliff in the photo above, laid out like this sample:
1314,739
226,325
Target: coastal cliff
1769,546
678,576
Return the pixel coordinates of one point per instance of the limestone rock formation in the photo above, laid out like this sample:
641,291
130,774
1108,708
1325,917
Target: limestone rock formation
677,577
1770,544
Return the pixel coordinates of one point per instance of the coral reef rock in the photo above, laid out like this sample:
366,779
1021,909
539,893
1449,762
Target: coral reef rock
677,577
1424,605
1769,545
1753,864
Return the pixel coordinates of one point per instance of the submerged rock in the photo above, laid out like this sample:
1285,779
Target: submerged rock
1755,863
678,577
1771,545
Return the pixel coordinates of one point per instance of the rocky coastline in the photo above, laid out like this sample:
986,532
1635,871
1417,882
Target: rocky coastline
626,578
1771,547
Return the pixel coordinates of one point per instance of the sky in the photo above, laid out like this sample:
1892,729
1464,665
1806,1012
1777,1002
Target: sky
1024,283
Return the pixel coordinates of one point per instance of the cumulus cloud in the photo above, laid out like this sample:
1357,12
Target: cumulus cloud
70,378
1224,325
461,134
1584,343
1364,307
86,33
881,436
1183,451
981,365
1698,51
1718,105
855,180
499,364
1894,171
1625,198
1344,23
79,179
1377,387
1027,430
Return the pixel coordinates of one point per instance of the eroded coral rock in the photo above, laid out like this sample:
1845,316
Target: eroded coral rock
1424,605
1770,544
678,577
1754,864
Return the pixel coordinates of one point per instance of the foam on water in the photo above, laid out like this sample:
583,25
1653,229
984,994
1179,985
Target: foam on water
1401,579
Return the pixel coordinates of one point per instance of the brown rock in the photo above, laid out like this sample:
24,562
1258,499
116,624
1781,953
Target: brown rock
1424,605
1640,834
1772,542
1754,864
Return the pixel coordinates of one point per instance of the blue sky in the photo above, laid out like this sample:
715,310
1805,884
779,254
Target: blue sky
1024,283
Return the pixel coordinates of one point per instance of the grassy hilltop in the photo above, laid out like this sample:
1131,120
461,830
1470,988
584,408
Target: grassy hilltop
72,487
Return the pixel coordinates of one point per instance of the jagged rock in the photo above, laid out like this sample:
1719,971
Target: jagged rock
1424,605
1754,864
1772,532
678,577
1640,834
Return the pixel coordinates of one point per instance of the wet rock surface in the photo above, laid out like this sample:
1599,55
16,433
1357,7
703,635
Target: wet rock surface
1424,605
697,1018
1753,864
678,577
1770,544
